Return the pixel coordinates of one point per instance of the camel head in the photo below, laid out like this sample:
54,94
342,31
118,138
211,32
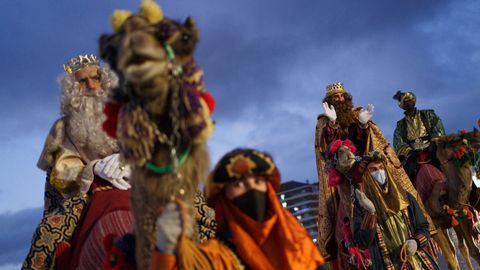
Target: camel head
139,47
446,146
457,154
456,147
343,155
473,137
161,93
146,53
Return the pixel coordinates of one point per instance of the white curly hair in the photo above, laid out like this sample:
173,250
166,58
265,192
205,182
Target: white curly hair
83,112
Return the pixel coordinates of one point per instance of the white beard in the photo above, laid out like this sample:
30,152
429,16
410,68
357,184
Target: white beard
84,121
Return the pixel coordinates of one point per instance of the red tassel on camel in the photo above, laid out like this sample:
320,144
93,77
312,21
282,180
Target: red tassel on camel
469,213
454,222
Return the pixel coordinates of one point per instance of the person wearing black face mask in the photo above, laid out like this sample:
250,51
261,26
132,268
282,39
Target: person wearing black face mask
254,231
249,194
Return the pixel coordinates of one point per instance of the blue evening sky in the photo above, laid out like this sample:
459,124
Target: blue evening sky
267,63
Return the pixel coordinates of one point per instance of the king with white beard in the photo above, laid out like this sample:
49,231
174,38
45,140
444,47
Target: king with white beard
76,150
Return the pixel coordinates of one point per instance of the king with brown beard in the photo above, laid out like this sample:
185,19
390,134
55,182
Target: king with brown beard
341,120
76,152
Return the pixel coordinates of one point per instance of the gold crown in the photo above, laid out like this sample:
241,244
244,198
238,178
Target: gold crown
335,88
81,61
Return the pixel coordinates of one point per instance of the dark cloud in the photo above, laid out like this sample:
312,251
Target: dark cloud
248,48
245,61
257,53
266,62
16,230
243,45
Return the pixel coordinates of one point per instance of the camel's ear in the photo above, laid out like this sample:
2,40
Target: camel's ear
439,142
190,23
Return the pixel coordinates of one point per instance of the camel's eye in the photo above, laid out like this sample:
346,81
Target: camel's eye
185,37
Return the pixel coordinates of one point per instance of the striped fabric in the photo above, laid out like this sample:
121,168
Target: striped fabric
424,259
93,253
421,239
369,221
384,250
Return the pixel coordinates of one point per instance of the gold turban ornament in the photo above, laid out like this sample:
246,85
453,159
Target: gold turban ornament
404,98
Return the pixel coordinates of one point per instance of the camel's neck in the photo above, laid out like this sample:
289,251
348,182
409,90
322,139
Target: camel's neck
459,182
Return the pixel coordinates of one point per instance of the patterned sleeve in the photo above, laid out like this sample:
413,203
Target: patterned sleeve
205,217
364,224
421,231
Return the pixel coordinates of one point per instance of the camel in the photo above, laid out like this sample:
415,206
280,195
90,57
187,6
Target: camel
457,154
161,112
341,165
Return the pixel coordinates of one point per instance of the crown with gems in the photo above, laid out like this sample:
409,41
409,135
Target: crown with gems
81,61
335,88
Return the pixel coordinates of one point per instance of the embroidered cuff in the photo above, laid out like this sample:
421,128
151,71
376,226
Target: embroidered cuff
369,221
422,240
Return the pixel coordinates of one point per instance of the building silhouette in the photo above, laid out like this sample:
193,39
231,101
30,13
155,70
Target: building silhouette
301,199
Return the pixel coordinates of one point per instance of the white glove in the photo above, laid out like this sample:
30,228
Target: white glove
329,112
365,115
365,202
169,228
411,246
110,169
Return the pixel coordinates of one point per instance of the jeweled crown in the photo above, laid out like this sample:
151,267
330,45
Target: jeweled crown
335,88
81,61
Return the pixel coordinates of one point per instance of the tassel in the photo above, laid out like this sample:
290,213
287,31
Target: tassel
454,222
118,18
334,178
109,242
468,212
209,100
355,251
151,11
189,255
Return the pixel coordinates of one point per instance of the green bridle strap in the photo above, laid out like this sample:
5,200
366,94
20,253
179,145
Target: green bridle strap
168,168
177,70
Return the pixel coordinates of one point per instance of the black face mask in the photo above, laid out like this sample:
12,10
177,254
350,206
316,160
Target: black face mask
253,203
